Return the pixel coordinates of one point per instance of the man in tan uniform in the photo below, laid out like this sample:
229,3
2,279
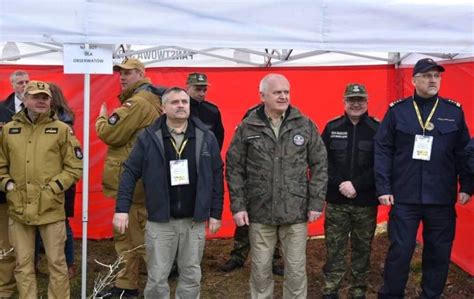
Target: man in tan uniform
39,159
8,108
140,107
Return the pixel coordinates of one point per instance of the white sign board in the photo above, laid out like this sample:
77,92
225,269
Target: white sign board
87,59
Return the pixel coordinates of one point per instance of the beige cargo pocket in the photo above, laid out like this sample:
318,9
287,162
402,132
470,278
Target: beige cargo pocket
49,201
16,200
111,175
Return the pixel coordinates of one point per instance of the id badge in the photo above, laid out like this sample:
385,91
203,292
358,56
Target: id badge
179,172
422,148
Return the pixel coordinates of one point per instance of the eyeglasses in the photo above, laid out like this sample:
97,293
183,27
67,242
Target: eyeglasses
353,101
429,76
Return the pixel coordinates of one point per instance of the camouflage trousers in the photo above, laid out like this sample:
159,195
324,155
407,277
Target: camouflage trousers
341,223
242,246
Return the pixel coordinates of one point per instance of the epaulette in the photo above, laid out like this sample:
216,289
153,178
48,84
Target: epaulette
457,104
374,118
336,118
394,103
210,103
335,122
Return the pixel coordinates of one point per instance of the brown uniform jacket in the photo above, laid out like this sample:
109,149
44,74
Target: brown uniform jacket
119,131
277,180
42,159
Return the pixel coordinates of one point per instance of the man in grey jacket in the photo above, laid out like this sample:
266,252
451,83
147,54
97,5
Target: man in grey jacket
277,173
179,162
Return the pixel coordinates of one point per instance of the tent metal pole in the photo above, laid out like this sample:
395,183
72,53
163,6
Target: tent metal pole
85,184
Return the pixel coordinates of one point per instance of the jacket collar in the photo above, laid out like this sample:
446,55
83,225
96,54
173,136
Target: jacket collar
23,117
259,118
363,118
128,93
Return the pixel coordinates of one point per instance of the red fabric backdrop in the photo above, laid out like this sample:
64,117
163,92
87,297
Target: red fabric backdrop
317,91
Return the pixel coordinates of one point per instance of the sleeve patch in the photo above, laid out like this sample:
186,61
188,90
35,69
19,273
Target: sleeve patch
78,152
113,119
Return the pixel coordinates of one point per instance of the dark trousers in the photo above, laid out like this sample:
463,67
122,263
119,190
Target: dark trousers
439,223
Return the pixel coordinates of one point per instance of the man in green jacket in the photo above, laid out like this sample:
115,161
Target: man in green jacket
277,174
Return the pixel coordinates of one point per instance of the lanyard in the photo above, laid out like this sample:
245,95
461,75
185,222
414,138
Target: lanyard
418,114
181,148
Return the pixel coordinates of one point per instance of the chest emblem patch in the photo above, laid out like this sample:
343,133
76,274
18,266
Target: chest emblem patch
51,131
339,134
298,140
14,131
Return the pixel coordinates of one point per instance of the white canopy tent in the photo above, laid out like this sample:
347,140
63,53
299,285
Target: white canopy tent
236,33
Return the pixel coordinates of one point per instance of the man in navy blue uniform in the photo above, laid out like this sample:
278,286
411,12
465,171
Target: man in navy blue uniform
470,162
419,156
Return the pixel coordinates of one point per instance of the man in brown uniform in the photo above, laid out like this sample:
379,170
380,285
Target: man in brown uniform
140,107
39,159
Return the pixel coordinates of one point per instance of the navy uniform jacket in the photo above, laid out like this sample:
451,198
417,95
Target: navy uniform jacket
209,114
415,181
7,110
470,162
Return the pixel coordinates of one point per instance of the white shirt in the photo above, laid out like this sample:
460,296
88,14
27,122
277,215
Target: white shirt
18,105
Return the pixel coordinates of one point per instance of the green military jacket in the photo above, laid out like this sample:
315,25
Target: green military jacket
42,159
277,180
138,110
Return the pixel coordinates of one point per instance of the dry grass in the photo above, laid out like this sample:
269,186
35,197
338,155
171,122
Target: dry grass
216,284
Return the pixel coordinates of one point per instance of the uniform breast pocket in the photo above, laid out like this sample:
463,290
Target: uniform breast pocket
338,149
448,133
366,152
405,135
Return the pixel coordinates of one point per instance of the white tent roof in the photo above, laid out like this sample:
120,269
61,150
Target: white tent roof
246,31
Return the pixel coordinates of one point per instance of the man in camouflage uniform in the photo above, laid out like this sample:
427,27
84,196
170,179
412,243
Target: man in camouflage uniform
140,107
351,209
241,249
40,158
277,175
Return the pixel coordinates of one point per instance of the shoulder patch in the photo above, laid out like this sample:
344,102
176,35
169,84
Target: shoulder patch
71,131
113,119
78,153
394,103
457,104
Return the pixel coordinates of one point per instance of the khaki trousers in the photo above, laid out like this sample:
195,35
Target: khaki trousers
22,237
7,263
134,236
263,238
163,240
